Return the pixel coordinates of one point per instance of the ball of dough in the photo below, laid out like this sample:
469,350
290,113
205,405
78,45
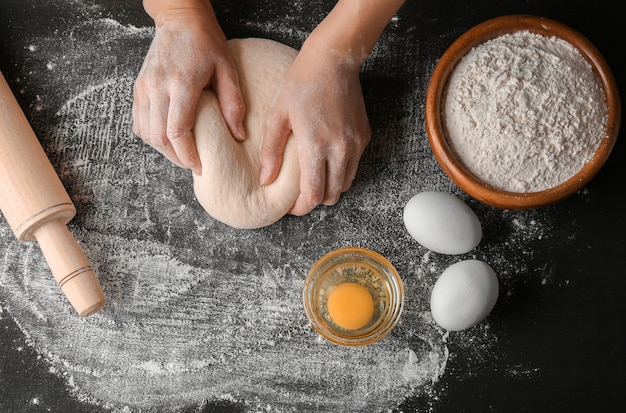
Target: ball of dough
229,188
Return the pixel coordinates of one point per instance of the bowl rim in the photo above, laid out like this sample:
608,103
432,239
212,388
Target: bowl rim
444,154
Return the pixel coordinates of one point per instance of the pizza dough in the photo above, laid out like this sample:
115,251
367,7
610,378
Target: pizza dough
229,188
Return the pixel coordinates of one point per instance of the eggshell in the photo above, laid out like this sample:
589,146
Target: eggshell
464,295
442,223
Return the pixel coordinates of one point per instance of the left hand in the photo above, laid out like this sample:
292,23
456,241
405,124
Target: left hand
321,102
189,52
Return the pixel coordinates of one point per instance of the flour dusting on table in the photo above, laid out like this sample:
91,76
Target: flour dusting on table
198,311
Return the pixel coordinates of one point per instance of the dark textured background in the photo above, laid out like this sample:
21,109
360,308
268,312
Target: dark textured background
572,336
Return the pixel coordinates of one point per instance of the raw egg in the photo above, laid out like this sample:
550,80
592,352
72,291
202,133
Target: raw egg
350,306
442,223
464,295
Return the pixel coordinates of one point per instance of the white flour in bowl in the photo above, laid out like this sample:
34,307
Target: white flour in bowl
524,112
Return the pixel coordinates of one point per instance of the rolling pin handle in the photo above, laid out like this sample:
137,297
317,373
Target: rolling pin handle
70,267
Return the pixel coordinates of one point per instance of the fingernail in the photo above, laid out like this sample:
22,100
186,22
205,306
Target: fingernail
264,176
241,132
196,167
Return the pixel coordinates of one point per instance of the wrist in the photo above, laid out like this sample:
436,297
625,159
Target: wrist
352,28
322,50
163,11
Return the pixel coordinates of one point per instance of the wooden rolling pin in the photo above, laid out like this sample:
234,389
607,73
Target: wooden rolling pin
37,207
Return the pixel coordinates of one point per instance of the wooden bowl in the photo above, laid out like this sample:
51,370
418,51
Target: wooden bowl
446,156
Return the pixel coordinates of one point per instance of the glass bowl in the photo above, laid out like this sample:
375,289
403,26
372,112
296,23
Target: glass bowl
366,269
435,128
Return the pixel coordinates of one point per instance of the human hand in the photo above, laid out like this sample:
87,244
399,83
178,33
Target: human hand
188,53
321,102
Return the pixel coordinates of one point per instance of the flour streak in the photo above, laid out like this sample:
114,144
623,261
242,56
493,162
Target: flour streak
199,311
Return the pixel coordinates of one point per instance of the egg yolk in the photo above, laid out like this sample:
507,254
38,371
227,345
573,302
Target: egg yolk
350,306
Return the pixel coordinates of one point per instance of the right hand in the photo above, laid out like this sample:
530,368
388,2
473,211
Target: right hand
320,101
189,52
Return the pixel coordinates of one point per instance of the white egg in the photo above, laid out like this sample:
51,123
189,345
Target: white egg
442,223
464,295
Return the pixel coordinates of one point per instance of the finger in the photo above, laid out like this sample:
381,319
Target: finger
141,114
230,99
277,131
301,207
350,174
136,113
157,135
335,174
312,183
180,123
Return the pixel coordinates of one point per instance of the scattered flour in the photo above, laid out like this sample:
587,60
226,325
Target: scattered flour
168,339
524,112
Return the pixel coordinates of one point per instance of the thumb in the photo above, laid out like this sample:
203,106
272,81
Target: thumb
231,101
277,131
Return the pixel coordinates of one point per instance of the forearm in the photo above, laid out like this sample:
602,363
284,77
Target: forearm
353,27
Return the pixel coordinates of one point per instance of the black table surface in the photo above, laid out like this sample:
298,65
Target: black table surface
570,332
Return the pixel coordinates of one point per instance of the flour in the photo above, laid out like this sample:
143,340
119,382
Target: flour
168,338
524,112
